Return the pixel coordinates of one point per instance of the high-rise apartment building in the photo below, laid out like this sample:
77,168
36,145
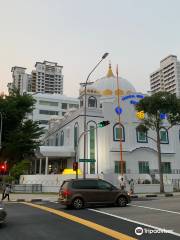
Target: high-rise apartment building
21,80
167,77
46,78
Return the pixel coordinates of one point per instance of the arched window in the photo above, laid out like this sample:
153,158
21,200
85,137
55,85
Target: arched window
76,134
92,136
81,103
57,139
92,102
164,138
118,132
62,138
141,136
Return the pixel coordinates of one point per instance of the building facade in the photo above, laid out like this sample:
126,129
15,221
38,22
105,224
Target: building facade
64,143
51,106
21,80
46,78
167,77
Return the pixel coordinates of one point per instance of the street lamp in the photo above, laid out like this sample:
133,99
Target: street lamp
85,109
1,132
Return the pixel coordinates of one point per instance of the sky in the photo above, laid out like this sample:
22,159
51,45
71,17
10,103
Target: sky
137,34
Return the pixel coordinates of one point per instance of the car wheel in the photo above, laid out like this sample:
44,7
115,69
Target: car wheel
78,203
122,202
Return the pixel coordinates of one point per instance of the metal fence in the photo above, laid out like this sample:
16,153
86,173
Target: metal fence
27,188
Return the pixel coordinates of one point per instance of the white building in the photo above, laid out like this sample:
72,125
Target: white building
46,78
167,77
21,80
139,151
51,106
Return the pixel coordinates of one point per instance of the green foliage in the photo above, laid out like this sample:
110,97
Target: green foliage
20,137
19,169
8,179
153,106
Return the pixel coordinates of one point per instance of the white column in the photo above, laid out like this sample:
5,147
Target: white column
46,166
40,166
35,166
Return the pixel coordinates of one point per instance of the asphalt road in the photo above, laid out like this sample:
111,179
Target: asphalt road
54,222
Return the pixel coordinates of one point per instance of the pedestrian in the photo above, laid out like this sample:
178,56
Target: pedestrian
122,184
131,186
3,190
6,192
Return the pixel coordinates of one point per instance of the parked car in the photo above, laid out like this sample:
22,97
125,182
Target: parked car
2,213
78,193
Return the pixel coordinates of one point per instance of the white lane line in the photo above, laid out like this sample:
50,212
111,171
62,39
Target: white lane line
157,209
136,222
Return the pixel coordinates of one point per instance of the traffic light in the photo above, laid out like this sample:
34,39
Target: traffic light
75,166
103,124
2,168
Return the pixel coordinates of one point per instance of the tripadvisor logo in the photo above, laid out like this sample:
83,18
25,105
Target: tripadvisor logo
139,231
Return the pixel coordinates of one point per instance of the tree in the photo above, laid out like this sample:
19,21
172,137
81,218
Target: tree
159,108
20,168
20,136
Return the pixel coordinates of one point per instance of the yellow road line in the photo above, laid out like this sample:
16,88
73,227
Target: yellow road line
97,227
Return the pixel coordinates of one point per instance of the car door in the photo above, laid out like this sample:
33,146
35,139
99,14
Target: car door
107,192
89,190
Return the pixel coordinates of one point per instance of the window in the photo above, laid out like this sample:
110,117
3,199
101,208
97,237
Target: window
92,102
104,185
117,167
48,112
141,136
85,184
143,167
45,122
47,103
62,139
64,105
118,133
73,106
166,167
92,148
76,135
56,139
164,136
81,103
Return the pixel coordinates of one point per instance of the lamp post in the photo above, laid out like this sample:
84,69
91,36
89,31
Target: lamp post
1,131
85,109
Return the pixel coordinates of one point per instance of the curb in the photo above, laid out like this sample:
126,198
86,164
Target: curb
36,200
151,195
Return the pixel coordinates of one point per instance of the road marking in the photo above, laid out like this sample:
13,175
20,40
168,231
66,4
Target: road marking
133,221
87,223
157,209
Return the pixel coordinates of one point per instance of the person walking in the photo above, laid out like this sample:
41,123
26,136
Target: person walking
6,192
131,186
122,184
3,190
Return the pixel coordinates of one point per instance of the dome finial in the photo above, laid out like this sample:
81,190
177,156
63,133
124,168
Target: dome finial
110,73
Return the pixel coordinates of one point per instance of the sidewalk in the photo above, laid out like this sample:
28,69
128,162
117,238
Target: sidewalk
33,197
54,196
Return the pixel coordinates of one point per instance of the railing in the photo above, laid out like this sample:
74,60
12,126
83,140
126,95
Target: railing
27,188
